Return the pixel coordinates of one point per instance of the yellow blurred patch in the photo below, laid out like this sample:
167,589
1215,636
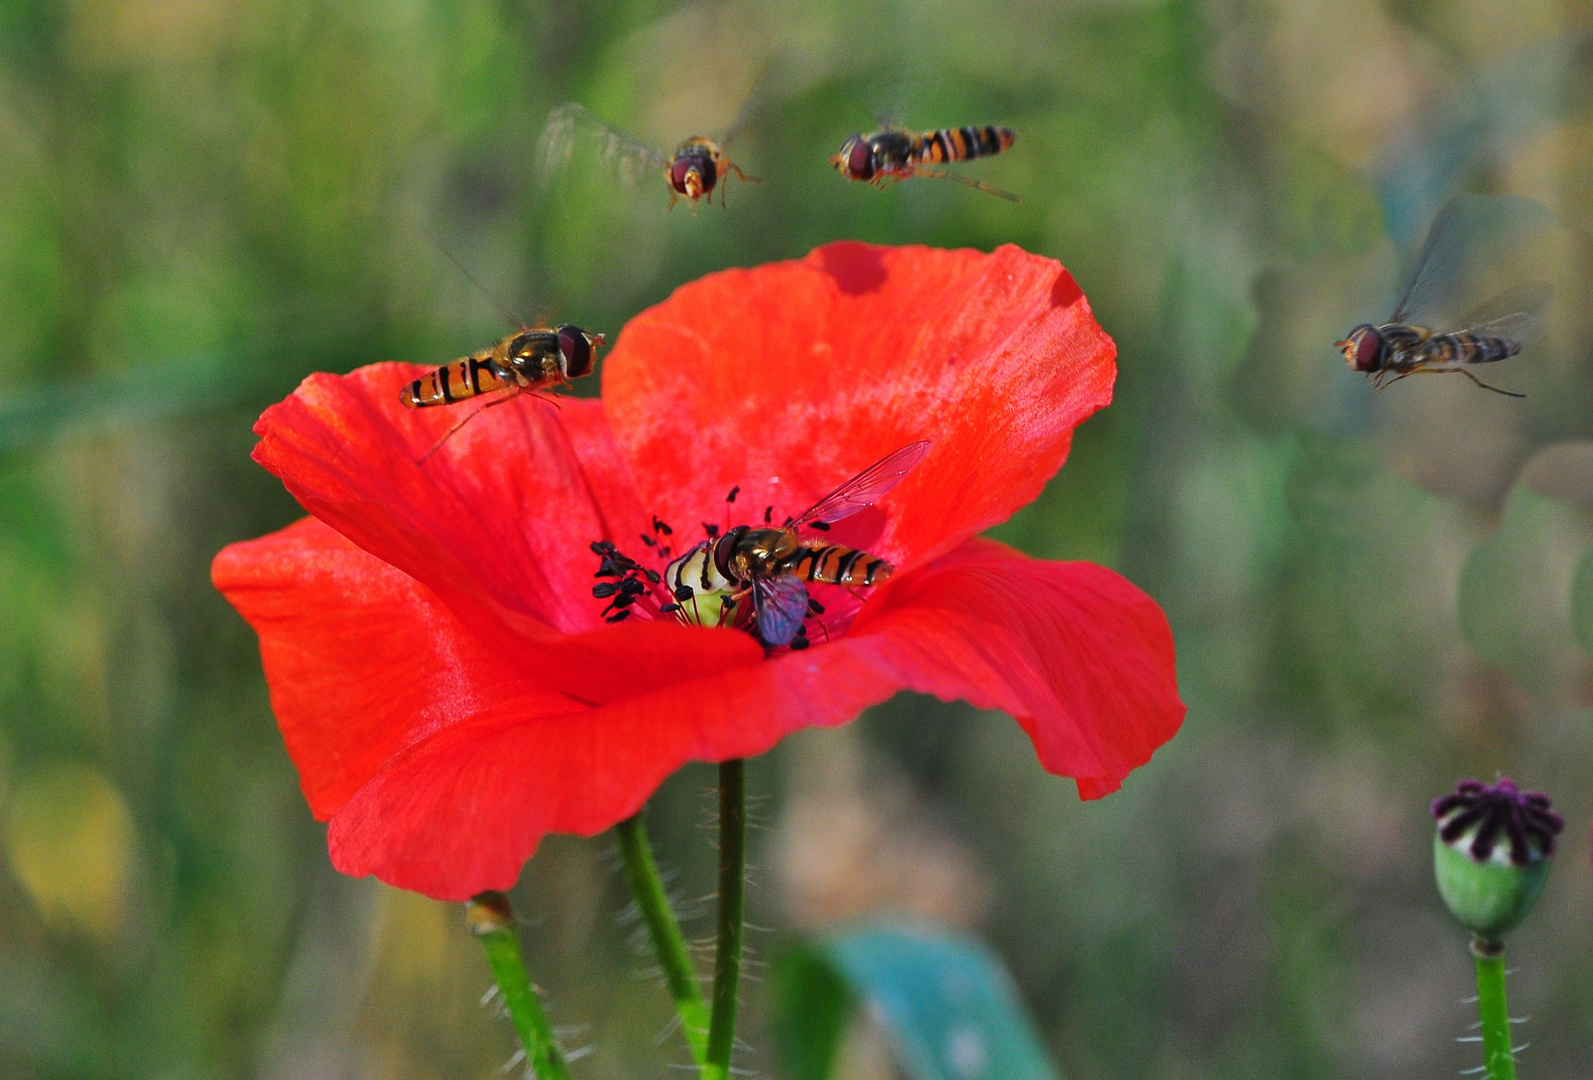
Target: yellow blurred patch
416,936
69,842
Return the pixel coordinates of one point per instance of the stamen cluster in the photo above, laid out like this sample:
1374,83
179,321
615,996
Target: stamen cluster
1498,811
629,581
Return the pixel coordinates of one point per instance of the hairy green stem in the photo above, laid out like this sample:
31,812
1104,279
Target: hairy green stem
680,975
490,920
732,908
1496,1052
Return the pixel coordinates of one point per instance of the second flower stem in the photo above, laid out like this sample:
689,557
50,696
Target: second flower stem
680,975
1497,1056
732,909
490,921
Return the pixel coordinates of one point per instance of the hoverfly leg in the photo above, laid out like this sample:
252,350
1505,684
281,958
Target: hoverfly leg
724,191
942,174
1485,386
463,421
1402,375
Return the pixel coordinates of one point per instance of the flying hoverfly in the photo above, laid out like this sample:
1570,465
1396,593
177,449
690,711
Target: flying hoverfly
693,171
1427,334
774,564
528,361
893,154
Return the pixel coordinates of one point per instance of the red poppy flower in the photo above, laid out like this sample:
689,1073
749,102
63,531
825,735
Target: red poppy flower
444,677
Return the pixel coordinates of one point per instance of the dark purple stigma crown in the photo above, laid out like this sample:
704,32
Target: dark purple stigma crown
1498,811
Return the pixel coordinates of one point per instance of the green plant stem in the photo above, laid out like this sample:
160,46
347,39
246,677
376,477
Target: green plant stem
491,922
680,974
732,908
1495,1014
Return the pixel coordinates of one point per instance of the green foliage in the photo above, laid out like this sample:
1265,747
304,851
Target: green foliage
945,1002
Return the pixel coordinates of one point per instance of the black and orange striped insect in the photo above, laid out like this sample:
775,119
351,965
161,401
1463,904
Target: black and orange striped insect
775,564
1434,329
528,361
693,171
893,154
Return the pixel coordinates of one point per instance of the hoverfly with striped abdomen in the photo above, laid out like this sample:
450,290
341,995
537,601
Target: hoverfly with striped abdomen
774,564
528,361
893,154
693,171
1428,333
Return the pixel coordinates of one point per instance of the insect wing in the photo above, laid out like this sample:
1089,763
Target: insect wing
866,488
780,603
749,107
1516,316
572,125
1477,246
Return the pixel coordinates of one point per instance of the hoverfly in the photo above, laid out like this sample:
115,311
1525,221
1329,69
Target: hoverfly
1425,334
893,154
774,564
696,167
528,361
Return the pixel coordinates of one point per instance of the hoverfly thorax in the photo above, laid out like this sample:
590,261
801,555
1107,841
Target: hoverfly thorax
1363,349
758,551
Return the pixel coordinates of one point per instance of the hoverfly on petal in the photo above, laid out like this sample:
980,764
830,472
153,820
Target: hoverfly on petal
693,171
528,361
1437,326
773,565
893,154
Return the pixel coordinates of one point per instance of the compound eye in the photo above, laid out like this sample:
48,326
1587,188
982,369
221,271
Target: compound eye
679,170
1368,350
860,159
575,350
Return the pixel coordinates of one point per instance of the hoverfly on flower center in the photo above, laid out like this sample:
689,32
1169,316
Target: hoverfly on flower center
755,577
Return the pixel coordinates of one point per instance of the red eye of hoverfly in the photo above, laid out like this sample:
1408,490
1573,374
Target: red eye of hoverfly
577,351
1368,350
860,159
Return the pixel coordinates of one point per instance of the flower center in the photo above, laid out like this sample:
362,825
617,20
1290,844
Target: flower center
727,579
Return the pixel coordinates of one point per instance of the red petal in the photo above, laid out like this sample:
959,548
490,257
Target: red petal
1081,656
362,660
496,522
463,811
788,379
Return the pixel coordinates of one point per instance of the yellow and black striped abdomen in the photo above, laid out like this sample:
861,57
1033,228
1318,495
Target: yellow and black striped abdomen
963,144
456,381
836,565
1471,348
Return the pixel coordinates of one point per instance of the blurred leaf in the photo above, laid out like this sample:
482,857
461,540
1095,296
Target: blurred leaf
1516,589
147,393
945,1001
1582,602
813,1005
69,841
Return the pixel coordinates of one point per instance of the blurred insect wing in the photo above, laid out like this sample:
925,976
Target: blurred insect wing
1516,316
780,604
1476,244
866,488
572,126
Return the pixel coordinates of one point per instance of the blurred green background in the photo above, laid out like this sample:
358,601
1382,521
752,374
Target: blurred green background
201,202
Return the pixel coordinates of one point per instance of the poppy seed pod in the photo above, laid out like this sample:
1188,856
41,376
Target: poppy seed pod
1491,853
